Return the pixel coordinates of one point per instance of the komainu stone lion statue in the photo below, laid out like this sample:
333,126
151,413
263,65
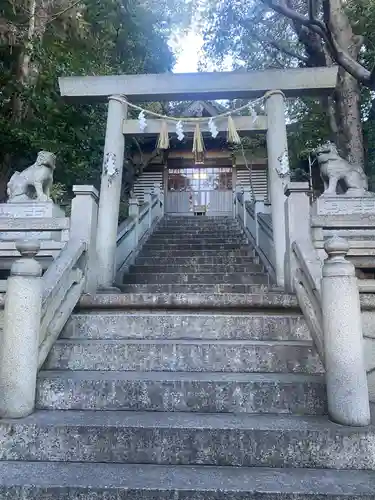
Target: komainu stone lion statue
334,168
35,182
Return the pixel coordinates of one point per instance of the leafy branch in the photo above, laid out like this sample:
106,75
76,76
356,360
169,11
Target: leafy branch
323,28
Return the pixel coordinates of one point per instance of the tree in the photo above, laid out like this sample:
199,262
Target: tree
92,37
261,34
333,27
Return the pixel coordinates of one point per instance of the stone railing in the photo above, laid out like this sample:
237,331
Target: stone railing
135,230
37,307
257,225
328,295
52,233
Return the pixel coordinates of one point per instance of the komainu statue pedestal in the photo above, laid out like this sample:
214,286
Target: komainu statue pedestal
29,197
344,205
31,209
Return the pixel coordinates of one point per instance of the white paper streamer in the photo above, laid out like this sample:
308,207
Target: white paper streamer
142,121
180,131
283,164
212,127
253,114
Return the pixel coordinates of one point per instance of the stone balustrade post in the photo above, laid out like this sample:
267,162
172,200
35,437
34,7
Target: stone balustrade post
156,191
246,197
239,190
148,199
258,209
347,391
234,193
19,340
83,225
297,225
134,212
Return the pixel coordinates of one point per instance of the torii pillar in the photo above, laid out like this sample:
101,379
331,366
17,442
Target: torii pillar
278,172
110,193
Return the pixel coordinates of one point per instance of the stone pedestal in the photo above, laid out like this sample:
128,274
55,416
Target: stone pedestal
344,205
33,210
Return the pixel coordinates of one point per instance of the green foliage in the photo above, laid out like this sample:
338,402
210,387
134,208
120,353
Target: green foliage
253,37
101,37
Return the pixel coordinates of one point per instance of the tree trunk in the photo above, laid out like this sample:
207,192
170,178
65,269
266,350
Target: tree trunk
27,70
349,134
348,118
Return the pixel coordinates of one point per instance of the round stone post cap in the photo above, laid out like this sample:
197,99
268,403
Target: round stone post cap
27,265
336,246
336,264
28,248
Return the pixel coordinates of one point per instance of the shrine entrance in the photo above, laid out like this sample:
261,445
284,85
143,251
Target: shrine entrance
268,87
199,190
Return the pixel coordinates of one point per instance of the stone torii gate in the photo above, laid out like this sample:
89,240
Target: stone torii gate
274,85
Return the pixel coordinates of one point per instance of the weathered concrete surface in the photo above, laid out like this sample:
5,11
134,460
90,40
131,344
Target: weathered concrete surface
182,325
187,439
199,288
187,392
196,278
195,86
262,300
59,481
197,269
198,260
185,356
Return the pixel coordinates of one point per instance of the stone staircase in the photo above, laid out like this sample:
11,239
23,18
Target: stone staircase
199,381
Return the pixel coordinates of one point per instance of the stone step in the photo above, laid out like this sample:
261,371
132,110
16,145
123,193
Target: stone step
179,222
198,260
193,246
212,230
208,226
264,299
197,233
237,242
187,439
198,218
174,326
201,252
196,278
212,237
185,356
196,392
198,269
190,288
89,481
199,223
210,392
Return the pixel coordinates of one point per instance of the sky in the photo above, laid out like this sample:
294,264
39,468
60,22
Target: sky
188,53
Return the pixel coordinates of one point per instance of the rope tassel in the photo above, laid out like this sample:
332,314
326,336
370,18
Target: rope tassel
198,144
232,137
163,141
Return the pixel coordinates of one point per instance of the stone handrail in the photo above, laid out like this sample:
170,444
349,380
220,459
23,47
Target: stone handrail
328,295
63,285
16,228
134,231
258,227
307,276
36,308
